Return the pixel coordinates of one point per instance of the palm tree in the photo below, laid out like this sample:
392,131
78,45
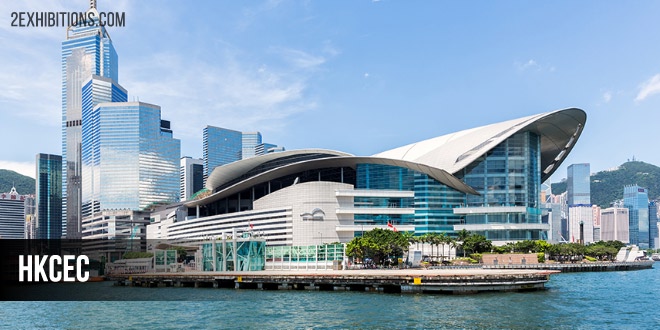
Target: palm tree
462,236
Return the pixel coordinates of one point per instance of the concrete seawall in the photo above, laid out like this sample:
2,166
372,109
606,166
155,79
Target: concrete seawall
580,267
453,281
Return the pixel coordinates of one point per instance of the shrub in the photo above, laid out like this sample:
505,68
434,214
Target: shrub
592,259
540,257
477,256
464,260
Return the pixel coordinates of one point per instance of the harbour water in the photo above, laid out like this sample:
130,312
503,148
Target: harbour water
597,300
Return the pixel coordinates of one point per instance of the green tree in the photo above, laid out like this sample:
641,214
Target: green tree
462,236
477,244
378,245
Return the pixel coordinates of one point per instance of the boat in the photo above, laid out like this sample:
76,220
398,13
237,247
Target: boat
655,257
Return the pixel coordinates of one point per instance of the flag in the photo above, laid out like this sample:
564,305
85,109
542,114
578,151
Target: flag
390,225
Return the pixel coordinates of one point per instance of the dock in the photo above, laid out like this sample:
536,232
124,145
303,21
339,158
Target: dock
448,281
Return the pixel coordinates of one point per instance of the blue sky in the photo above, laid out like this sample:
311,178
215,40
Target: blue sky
356,76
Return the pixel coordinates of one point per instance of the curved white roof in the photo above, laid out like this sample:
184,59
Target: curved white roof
225,173
452,152
346,161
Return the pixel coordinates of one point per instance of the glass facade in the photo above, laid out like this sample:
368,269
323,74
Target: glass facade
509,175
653,225
86,51
636,199
221,146
507,179
578,184
131,160
250,141
49,196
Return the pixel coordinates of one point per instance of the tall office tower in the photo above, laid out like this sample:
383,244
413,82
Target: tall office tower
191,177
554,215
221,146
48,224
581,224
636,199
131,163
29,216
596,216
614,224
12,214
87,51
250,142
95,90
654,242
578,185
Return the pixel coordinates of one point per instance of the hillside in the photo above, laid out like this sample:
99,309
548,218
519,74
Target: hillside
24,184
607,186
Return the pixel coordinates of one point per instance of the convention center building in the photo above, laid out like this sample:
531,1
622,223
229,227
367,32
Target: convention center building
485,180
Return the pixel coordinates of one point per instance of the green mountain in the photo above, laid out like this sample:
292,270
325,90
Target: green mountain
607,186
24,184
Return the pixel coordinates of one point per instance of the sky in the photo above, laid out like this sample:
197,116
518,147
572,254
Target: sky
358,76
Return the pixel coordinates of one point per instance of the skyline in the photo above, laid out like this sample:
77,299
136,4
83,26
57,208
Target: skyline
309,74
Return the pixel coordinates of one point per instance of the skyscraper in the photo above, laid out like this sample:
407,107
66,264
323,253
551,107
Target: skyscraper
653,226
614,224
636,199
48,197
12,214
131,165
250,142
580,212
191,176
87,51
221,146
130,157
578,185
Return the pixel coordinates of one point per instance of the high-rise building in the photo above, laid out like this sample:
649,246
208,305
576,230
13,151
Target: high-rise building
12,214
578,185
554,216
132,164
221,146
48,224
87,51
636,199
654,242
581,224
250,141
191,176
597,228
614,224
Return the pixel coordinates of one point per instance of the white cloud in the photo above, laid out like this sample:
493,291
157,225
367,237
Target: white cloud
531,64
25,168
607,96
648,88
229,92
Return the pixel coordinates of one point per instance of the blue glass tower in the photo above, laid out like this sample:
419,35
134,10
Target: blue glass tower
87,51
250,141
221,146
578,185
653,225
130,157
636,199
49,196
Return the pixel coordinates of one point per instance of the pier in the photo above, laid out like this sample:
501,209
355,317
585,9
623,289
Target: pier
449,281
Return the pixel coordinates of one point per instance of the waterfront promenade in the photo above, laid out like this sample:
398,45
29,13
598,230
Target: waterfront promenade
453,281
